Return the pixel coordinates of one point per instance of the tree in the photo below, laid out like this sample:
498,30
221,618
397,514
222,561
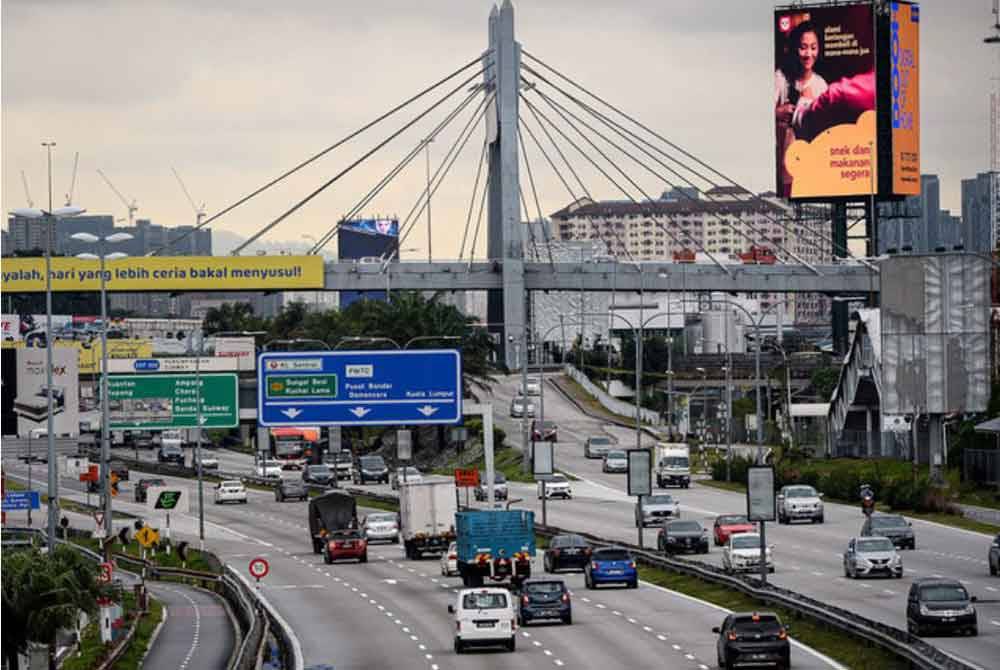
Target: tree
234,316
43,594
824,380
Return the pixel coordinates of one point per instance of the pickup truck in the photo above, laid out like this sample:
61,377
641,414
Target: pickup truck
495,545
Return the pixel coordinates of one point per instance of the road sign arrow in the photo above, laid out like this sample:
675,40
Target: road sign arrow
427,410
359,411
291,412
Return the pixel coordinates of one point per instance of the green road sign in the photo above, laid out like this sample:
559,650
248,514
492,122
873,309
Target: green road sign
167,500
302,386
149,402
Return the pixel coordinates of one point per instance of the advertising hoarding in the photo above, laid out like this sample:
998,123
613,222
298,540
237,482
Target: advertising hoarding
365,238
904,88
760,493
166,273
824,99
388,227
31,402
640,472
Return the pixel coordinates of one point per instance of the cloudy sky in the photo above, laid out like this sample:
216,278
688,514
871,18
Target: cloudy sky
233,93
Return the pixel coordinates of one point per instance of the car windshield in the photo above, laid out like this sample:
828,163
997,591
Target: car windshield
544,587
229,484
734,520
372,462
381,518
410,472
154,482
684,527
659,500
342,457
800,492
675,461
746,541
484,601
888,522
611,555
616,455
319,470
600,441
937,593
874,544
290,482
569,541
558,478
172,449
766,625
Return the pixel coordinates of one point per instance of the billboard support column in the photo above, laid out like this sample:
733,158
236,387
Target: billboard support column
840,308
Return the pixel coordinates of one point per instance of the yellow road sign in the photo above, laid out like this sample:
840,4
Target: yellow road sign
147,537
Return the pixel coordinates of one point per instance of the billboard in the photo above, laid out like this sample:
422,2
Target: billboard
30,400
165,273
904,89
387,227
365,238
152,402
824,101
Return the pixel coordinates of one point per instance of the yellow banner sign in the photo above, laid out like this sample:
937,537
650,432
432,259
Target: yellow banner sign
90,351
166,273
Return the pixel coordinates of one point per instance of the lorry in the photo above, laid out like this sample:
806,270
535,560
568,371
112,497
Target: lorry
673,464
331,513
427,514
494,544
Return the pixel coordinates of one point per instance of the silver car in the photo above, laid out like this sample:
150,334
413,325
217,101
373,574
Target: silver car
597,446
871,556
615,461
522,406
655,509
381,526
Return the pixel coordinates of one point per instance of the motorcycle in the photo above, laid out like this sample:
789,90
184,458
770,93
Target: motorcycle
867,500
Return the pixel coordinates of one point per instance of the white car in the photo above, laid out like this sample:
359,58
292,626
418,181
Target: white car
615,461
533,387
556,487
208,461
449,561
413,476
522,406
742,554
380,526
230,490
268,469
799,501
484,617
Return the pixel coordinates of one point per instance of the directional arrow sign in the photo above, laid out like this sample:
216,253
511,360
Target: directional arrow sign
358,388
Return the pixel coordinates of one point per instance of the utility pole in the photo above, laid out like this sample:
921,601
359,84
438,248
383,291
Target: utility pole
50,224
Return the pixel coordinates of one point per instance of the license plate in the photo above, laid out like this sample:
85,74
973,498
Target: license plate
615,572
484,624
572,551
948,619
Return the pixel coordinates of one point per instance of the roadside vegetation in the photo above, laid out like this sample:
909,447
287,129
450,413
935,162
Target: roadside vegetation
196,560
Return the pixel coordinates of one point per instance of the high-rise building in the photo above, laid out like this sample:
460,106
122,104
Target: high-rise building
918,224
981,212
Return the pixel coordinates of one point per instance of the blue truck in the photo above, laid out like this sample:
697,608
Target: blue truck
495,545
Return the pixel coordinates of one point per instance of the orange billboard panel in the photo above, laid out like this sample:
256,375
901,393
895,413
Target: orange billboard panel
904,55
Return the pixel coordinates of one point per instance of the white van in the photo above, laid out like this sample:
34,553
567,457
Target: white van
484,617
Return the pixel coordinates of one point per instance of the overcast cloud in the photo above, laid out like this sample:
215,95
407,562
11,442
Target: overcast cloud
233,93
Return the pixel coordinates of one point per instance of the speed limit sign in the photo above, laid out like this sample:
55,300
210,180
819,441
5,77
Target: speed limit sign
106,573
259,568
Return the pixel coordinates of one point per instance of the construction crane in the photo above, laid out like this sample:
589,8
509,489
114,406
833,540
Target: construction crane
72,181
27,193
994,38
132,207
199,212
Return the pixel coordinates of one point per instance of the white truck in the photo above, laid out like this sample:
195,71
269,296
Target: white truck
673,464
427,516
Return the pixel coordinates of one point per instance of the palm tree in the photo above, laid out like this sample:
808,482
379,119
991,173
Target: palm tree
43,594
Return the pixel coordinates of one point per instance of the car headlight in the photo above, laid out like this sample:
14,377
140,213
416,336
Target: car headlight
897,560
924,611
864,562
968,609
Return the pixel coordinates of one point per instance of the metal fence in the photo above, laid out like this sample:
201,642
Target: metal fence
981,466
862,444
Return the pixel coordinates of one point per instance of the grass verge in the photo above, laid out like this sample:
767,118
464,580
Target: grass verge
195,559
92,650
506,460
853,653
132,658
579,394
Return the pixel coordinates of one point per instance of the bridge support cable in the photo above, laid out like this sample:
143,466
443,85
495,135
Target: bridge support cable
301,203
762,238
527,217
479,222
631,181
443,169
440,82
573,198
725,178
534,193
399,167
472,201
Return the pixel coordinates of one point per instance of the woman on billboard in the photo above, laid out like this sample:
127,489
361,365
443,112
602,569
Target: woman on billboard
796,86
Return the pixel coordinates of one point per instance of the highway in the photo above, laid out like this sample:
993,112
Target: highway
392,612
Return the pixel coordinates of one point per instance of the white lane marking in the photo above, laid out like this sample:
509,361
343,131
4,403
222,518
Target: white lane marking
422,647
689,657
817,574
405,629
536,643
631,620
616,612
662,638
990,588
995,622
414,638
889,592
601,606
546,652
676,647
558,662
586,600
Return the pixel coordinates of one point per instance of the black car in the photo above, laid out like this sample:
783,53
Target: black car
993,558
318,474
288,487
940,606
140,488
170,454
545,599
892,526
753,639
371,469
567,552
676,537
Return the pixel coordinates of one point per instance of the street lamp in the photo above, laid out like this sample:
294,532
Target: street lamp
114,238
358,339
704,399
50,215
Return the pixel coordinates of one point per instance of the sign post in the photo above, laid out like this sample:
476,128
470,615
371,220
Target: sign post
404,449
542,466
259,569
760,506
640,477
465,479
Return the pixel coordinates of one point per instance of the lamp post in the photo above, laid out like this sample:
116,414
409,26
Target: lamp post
114,238
353,339
704,399
386,268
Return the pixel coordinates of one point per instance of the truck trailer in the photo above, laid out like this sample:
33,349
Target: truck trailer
427,514
495,544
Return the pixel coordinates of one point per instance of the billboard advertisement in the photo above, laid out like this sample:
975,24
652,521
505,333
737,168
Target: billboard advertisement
904,91
365,238
824,101
388,227
30,403
164,273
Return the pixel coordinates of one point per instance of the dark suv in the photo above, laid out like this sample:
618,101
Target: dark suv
567,551
892,526
287,487
940,605
677,537
371,469
753,638
170,454
545,599
143,484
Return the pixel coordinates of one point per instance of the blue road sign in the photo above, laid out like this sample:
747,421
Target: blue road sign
359,388
21,500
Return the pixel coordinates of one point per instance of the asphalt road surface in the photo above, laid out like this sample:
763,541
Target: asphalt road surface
197,632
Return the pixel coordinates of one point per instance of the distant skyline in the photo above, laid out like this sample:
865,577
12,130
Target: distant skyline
231,94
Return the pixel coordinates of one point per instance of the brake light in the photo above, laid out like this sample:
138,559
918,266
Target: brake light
782,634
593,565
732,635
458,626
555,552
452,557
565,597
632,564
588,551
524,600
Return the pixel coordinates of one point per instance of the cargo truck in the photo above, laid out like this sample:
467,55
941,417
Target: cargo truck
333,527
427,514
495,545
673,464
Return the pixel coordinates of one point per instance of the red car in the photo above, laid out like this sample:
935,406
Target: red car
346,544
544,431
727,525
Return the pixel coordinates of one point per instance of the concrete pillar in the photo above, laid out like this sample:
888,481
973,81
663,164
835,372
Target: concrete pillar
936,447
